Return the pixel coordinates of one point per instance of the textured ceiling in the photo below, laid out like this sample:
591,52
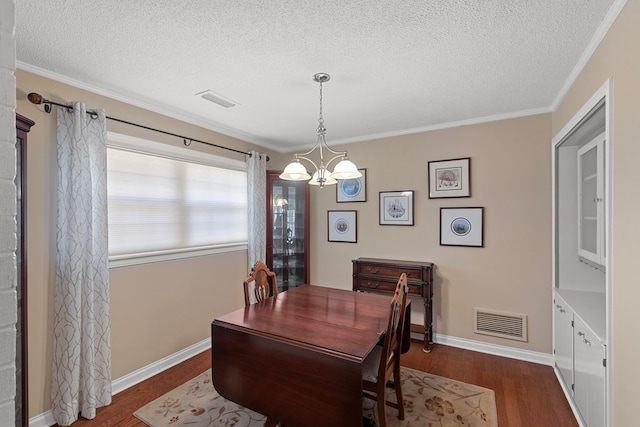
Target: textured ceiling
396,66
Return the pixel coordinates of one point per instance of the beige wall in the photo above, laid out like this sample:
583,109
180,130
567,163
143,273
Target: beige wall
156,309
510,178
617,57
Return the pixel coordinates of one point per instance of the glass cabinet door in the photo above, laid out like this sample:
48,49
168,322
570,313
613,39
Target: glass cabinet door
591,233
288,230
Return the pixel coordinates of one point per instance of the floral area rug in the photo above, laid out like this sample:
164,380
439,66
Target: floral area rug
430,400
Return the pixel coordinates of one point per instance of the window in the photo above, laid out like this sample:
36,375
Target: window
169,202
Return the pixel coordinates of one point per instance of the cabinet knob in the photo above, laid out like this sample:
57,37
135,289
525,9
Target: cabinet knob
586,341
581,334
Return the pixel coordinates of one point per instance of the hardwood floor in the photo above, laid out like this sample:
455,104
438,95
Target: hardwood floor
527,394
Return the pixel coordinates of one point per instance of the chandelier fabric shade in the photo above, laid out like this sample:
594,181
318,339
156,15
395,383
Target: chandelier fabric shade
344,169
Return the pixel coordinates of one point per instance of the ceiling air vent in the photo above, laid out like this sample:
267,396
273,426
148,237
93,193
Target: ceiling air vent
211,96
499,324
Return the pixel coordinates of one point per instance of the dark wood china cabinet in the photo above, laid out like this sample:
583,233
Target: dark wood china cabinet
287,230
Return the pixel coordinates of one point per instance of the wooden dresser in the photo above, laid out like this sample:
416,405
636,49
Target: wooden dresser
381,275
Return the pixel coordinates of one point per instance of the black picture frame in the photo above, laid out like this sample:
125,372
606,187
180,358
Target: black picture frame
396,208
462,226
342,226
352,190
450,178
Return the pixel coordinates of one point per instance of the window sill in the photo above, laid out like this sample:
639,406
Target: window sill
119,261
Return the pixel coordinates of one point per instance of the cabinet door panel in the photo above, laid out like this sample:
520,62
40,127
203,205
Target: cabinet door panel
589,376
563,344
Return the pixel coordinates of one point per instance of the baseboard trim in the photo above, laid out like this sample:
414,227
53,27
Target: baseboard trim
155,368
483,347
135,377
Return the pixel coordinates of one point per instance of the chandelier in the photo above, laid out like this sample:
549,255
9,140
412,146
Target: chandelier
344,169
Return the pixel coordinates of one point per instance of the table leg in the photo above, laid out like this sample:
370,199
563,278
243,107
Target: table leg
427,326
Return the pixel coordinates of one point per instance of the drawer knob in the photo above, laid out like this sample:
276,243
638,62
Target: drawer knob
373,285
374,271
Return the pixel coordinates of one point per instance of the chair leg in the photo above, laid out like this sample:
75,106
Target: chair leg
382,407
398,388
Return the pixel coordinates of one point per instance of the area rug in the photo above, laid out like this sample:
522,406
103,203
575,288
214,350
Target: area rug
430,400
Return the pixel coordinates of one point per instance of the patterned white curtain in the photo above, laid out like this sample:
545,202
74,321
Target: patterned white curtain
257,189
81,343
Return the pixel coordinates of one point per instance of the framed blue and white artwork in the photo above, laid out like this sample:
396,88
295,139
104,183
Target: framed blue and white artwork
352,190
461,227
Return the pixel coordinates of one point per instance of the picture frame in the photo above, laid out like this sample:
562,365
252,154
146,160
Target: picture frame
462,227
396,207
342,226
352,190
450,178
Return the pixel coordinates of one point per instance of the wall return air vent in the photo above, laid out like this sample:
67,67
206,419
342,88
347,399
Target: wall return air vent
500,324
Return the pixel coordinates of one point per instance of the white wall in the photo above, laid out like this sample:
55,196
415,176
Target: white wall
8,229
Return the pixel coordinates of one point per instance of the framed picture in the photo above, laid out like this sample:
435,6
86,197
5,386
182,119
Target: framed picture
461,227
396,207
342,226
352,190
450,178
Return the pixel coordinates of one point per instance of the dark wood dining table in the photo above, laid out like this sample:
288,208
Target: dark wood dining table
297,357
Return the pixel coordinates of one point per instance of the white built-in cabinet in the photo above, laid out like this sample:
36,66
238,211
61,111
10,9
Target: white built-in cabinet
581,278
580,356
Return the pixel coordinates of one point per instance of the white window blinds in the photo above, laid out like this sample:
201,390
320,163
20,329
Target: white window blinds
165,199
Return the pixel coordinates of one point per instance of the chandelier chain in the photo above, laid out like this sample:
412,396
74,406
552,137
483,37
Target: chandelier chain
320,118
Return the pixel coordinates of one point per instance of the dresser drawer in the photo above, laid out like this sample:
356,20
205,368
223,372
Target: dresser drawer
390,271
363,284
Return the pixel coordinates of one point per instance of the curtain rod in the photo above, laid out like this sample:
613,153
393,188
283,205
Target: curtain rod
36,98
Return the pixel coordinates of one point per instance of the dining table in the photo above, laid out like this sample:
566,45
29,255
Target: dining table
297,357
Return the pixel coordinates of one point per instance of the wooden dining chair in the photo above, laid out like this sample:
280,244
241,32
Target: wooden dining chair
384,361
266,284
